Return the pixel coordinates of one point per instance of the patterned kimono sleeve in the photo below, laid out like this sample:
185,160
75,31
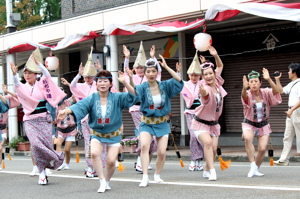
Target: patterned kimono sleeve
273,99
52,111
82,108
139,90
126,100
173,87
4,108
210,93
246,104
13,102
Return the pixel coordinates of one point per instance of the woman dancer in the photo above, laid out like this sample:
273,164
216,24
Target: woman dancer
37,122
205,123
257,102
138,79
105,119
155,106
66,132
12,102
190,94
81,91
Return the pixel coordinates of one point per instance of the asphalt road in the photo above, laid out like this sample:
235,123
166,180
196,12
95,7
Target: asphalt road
278,182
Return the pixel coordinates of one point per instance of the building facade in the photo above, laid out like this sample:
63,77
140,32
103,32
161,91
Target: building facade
244,43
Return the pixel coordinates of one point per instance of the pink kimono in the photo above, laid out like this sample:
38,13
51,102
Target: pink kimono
268,99
13,103
190,93
67,123
210,110
38,127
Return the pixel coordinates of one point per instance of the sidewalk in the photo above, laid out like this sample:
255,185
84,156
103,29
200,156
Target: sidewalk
235,153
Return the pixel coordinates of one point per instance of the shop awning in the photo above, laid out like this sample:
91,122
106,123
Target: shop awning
64,43
217,12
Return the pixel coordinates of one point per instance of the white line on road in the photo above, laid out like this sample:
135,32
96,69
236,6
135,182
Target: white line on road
186,163
176,183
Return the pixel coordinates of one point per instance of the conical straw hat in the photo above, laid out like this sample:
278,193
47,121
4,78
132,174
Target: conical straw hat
89,68
30,65
141,57
195,66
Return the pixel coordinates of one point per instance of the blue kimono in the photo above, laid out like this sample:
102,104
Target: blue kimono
3,109
112,121
53,115
168,89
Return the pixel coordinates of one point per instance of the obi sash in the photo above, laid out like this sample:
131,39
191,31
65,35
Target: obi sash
210,123
107,135
154,120
2,127
41,107
67,130
195,104
256,124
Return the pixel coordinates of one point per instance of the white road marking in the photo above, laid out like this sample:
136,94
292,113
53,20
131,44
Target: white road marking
175,183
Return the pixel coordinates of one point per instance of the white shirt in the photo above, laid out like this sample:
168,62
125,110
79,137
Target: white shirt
294,96
103,109
157,101
259,111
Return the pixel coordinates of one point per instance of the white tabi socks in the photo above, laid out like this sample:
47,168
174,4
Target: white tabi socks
145,181
213,175
253,168
102,186
157,178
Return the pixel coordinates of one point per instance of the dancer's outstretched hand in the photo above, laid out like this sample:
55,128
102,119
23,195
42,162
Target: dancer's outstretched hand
81,69
64,82
202,90
178,67
245,83
121,77
212,51
4,88
126,52
130,72
98,65
266,75
163,63
62,114
14,68
152,51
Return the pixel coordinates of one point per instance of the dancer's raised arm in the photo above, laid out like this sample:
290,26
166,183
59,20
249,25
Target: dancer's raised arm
172,72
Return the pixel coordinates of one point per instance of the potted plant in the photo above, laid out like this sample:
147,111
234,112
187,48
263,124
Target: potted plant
129,145
19,144
23,145
13,144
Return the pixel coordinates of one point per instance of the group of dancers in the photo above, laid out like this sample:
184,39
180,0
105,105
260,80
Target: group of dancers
95,108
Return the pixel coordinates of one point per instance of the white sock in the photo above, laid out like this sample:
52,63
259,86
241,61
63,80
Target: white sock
199,163
67,164
138,161
145,177
43,173
193,163
102,181
107,183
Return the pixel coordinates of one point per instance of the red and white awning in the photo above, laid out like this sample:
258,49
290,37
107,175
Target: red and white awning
64,43
218,12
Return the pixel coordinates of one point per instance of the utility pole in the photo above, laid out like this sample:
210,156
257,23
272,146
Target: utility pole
12,114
